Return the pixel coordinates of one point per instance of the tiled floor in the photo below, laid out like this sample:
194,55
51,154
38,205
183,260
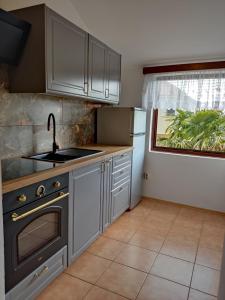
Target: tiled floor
158,251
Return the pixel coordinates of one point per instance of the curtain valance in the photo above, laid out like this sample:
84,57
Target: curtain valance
191,90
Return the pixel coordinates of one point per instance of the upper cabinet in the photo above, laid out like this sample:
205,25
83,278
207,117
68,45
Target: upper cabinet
62,59
97,81
113,75
66,53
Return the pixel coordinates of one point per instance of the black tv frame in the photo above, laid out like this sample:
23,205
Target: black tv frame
9,18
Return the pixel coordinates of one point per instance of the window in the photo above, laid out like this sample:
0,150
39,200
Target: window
188,111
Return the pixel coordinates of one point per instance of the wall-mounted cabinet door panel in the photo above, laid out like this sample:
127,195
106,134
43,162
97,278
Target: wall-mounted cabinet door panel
97,69
114,76
66,47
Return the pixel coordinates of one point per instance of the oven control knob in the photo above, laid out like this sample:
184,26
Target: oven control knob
40,192
22,198
57,184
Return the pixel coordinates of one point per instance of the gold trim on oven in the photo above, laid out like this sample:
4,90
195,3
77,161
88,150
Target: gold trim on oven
15,217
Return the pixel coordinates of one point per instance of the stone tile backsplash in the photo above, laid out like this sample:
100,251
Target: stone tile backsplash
23,121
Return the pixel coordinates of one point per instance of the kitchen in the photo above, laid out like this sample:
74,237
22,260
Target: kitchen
64,103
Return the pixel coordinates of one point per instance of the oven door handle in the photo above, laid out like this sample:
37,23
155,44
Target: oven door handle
15,217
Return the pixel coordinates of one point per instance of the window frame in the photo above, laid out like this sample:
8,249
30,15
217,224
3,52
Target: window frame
154,147
153,130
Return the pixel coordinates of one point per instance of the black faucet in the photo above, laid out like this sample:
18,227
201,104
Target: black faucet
54,145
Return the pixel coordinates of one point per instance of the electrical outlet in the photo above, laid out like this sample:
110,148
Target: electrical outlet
146,175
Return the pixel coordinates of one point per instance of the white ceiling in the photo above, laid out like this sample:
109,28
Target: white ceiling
158,31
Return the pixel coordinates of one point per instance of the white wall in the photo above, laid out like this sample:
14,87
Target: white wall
191,180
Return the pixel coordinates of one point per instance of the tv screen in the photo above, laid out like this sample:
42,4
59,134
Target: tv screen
13,35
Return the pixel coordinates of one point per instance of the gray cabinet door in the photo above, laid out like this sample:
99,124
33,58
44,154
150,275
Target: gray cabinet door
85,208
106,192
120,200
97,68
113,76
66,49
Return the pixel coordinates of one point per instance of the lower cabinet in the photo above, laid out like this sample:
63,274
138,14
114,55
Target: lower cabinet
120,200
33,284
99,194
84,208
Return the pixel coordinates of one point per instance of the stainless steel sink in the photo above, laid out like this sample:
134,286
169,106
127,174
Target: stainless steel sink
62,156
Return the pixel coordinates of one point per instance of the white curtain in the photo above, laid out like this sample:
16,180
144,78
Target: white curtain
191,91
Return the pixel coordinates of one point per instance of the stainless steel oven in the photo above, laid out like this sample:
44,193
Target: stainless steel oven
36,230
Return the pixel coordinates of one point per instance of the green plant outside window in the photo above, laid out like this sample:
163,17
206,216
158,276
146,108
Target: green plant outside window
201,130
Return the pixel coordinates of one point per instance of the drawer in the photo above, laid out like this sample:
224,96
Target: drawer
120,161
121,176
33,284
120,200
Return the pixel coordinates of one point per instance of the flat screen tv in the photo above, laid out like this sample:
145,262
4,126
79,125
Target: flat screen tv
13,36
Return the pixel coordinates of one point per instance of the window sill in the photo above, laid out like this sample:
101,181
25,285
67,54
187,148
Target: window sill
189,153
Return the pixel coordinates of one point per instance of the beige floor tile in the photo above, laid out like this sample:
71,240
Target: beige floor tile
212,242
215,219
166,207
106,247
139,211
122,280
192,213
156,288
194,232
184,234
211,230
209,258
65,287
147,240
162,216
88,267
119,232
173,269
196,295
187,223
156,226
133,222
147,203
96,293
136,257
179,250
205,280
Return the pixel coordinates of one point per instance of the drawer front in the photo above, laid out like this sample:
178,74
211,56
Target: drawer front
120,176
120,200
33,284
121,161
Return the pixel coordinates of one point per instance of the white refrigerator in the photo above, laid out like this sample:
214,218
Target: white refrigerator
125,126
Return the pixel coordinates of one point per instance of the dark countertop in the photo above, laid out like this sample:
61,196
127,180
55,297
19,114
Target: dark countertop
18,167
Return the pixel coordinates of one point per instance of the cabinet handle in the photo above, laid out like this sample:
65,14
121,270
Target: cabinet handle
86,87
107,93
37,275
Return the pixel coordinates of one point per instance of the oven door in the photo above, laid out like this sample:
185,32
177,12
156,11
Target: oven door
34,233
